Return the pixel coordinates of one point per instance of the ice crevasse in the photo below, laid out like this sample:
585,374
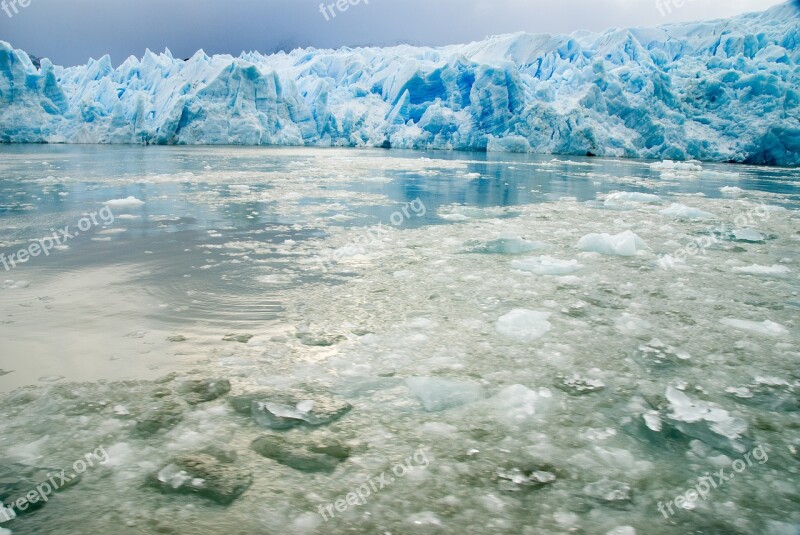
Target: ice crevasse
724,90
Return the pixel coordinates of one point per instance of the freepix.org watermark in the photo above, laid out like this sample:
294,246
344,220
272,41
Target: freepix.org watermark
711,482
58,238
58,480
699,246
328,259
11,7
329,11
665,7
359,496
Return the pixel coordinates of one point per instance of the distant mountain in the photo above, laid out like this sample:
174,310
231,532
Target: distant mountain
37,62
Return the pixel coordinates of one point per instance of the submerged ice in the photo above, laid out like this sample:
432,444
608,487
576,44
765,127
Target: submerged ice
721,90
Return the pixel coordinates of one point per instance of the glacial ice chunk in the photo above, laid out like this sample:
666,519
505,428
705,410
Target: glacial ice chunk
631,325
681,211
609,491
508,245
702,420
210,475
731,190
525,325
12,285
775,271
624,244
292,408
516,404
546,265
515,479
763,328
437,393
629,199
748,235
669,165
128,202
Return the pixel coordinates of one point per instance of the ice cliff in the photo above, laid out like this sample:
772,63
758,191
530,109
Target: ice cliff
725,90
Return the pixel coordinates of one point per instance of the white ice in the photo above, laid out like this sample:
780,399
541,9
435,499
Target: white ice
624,244
525,325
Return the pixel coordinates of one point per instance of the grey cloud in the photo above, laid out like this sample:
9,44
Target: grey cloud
69,32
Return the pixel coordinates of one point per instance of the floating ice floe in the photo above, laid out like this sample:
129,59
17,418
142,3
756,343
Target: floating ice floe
669,165
516,404
631,325
608,491
624,244
579,385
525,325
623,199
212,477
774,271
731,190
657,353
128,202
507,245
681,211
699,419
311,454
546,265
515,479
769,393
668,262
748,235
290,409
763,328
437,393
458,213
14,285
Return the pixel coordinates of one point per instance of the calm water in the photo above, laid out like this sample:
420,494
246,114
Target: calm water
450,298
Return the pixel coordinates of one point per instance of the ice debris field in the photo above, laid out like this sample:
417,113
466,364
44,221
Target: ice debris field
533,346
724,90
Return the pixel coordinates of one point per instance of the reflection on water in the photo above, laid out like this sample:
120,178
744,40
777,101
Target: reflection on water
208,248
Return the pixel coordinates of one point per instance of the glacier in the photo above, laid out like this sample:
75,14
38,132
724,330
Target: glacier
724,90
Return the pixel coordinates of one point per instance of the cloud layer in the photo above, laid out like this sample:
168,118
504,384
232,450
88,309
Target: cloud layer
71,32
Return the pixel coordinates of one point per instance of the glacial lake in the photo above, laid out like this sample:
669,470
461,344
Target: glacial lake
570,341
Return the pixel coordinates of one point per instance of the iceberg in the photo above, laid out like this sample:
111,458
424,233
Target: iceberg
723,90
624,244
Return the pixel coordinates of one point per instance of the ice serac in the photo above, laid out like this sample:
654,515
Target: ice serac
724,90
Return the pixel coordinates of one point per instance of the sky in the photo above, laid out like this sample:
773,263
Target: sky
71,31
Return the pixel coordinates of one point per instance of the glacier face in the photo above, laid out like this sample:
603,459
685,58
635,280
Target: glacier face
726,90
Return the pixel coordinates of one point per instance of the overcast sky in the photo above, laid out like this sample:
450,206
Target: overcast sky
71,31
